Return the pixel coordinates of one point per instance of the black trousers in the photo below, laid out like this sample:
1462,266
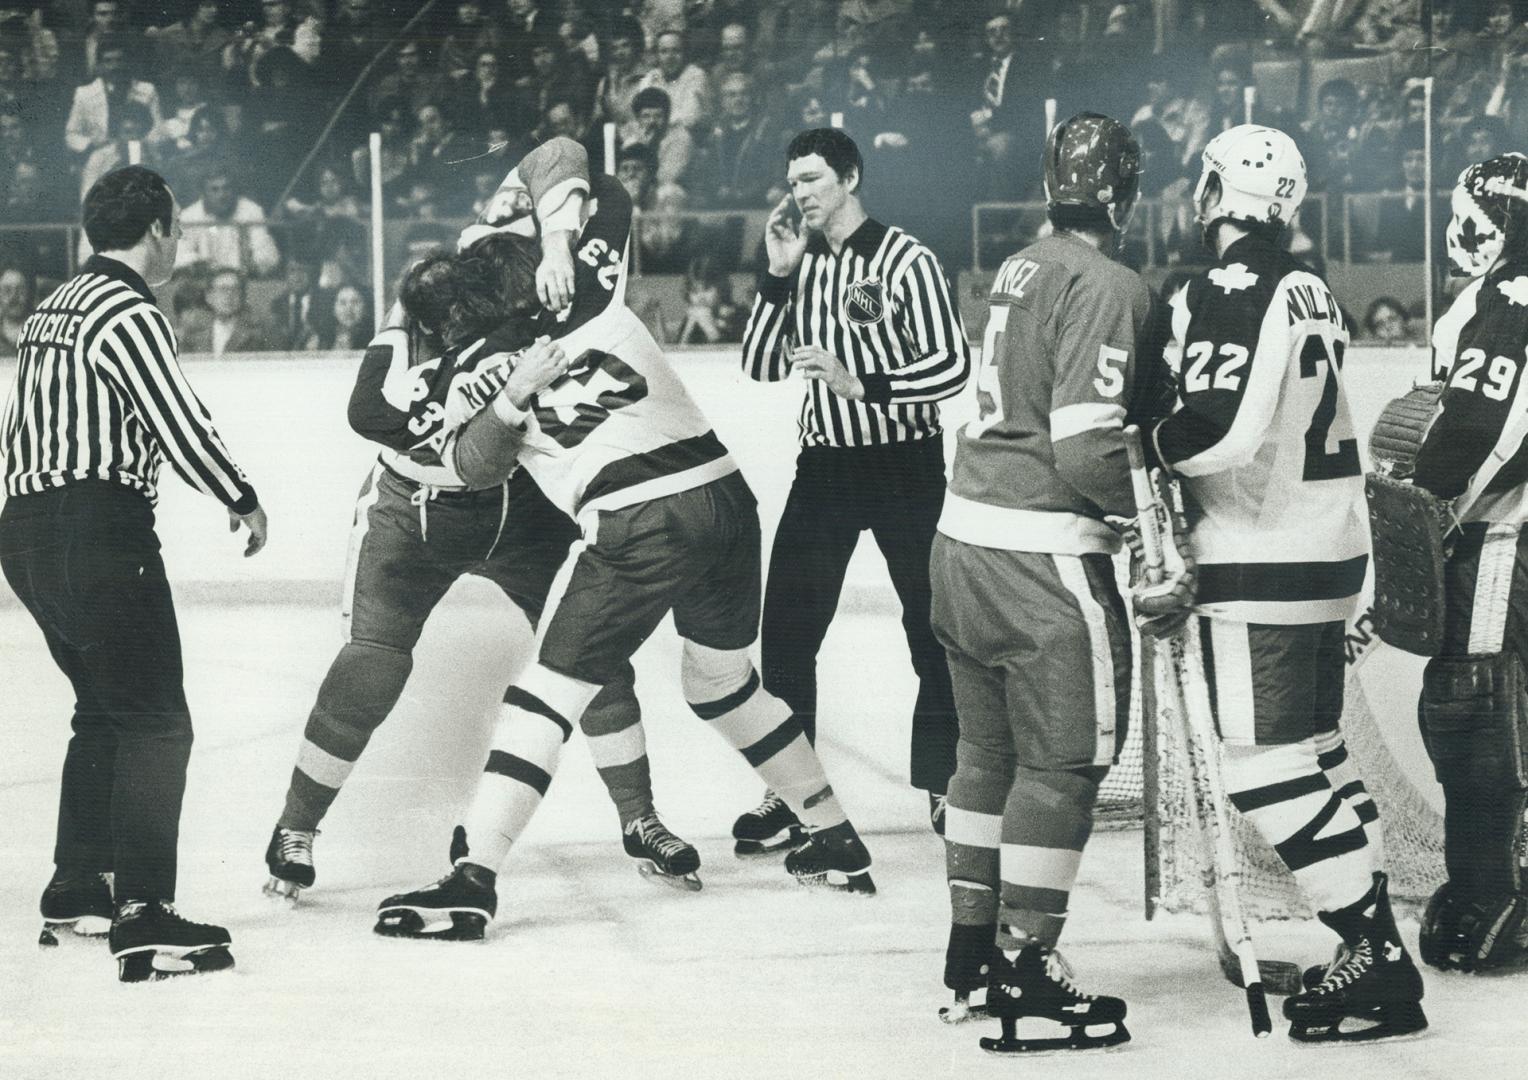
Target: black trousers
895,491
85,561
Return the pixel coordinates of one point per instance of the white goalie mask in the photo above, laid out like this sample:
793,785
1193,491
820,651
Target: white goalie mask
1261,177
1490,207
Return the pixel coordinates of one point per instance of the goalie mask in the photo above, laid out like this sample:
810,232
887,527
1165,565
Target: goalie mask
1093,162
1252,175
1490,212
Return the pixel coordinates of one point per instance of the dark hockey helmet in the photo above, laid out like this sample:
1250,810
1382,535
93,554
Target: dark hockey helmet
1490,214
1093,161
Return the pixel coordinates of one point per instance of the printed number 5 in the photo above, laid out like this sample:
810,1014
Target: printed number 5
989,390
1111,378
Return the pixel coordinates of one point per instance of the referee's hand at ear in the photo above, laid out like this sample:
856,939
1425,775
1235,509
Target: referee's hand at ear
784,244
259,528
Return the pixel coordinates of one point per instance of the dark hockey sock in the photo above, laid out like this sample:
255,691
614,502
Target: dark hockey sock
1047,820
612,727
973,822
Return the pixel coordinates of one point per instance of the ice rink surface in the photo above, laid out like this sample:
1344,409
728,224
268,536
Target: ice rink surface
589,971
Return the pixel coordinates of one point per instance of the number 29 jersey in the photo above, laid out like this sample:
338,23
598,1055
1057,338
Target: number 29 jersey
1045,461
1263,443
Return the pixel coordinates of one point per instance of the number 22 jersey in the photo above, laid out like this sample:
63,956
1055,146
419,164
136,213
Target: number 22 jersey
1263,443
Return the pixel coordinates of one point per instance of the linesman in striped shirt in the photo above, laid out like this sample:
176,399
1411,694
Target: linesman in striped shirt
865,313
99,403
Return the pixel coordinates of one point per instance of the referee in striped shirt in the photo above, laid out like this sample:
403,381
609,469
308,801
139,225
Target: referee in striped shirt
99,403
864,312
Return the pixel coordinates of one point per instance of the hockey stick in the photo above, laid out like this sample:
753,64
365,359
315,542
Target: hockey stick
1187,684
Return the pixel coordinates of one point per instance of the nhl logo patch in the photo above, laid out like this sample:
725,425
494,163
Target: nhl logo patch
865,303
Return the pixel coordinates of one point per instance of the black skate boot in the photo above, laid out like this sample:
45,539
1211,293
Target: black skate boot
150,940
769,827
1037,984
455,908
938,803
76,902
834,857
1372,982
661,856
968,961
289,856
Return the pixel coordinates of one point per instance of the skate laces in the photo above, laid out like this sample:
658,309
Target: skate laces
1058,971
1348,968
652,832
770,806
297,846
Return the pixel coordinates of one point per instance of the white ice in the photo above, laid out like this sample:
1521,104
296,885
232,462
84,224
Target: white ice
590,971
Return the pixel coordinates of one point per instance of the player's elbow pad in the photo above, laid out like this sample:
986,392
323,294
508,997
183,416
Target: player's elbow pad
485,452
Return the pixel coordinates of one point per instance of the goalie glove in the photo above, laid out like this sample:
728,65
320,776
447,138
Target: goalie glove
1162,598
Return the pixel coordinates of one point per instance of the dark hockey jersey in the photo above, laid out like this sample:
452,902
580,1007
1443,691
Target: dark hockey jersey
1476,450
1262,440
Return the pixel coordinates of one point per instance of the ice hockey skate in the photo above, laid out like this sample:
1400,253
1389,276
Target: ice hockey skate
661,856
77,904
835,858
1372,990
456,908
967,962
150,940
289,856
1036,984
769,827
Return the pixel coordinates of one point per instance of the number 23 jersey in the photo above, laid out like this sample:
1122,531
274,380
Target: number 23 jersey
1263,442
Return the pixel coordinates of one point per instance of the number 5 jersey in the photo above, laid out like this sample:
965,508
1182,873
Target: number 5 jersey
1262,440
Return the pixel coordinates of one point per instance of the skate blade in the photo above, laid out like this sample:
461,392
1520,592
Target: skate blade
780,843
460,924
1400,1023
684,882
1079,1039
961,1011
155,964
283,891
86,926
838,881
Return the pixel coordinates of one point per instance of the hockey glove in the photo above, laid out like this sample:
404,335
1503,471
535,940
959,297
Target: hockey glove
1163,606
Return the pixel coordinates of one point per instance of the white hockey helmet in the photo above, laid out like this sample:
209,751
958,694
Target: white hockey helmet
1260,175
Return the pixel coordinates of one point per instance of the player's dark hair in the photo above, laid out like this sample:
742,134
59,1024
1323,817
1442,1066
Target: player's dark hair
652,97
834,147
450,296
509,263
120,207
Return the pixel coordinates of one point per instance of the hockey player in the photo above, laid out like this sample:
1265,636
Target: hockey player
1025,600
668,524
418,527
1264,449
1474,456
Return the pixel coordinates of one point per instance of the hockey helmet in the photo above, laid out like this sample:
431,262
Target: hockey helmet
1252,174
1093,161
1490,205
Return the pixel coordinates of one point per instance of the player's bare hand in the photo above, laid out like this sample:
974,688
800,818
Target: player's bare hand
554,277
259,529
784,243
541,364
814,362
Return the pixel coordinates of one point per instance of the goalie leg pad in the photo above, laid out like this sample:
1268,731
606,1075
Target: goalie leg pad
1464,933
1474,721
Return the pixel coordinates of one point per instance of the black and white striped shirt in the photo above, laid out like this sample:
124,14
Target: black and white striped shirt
100,395
884,307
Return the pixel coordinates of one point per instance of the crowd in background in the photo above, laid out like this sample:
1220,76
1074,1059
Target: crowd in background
947,100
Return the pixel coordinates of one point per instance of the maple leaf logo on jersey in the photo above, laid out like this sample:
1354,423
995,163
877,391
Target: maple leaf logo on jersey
1233,278
1516,290
865,303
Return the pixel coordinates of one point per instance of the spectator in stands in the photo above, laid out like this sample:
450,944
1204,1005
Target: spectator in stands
665,237
353,40
329,195
686,85
707,22
89,124
1385,322
16,288
523,19
82,57
635,167
1331,142
470,37
622,51
1228,103
294,311
433,144
228,326
392,121
554,75
1509,98
745,148
565,117
487,99
341,244
734,54
1481,138
711,317
347,322
242,55
1399,236
15,142
225,230
206,148
192,44
285,113
188,94
410,80
576,31
132,123
673,146
803,36
1008,112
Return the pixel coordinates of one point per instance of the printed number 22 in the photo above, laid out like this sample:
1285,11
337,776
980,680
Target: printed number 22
1320,463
